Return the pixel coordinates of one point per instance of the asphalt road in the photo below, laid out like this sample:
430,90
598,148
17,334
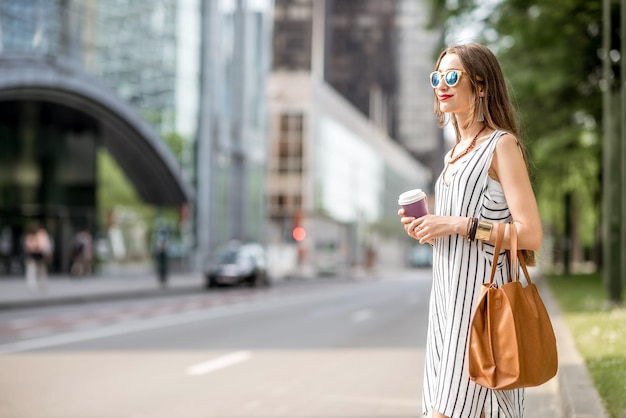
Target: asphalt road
326,348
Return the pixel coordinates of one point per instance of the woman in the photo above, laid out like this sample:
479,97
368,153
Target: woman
38,250
485,180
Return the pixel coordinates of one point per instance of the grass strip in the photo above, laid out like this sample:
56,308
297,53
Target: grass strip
599,333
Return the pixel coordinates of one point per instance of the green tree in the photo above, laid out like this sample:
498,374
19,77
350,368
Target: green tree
175,143
550,55
115,190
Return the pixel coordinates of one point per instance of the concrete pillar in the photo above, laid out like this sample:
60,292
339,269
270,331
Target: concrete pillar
209,46
238,193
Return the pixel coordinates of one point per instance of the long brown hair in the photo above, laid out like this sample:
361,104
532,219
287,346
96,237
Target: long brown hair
483,71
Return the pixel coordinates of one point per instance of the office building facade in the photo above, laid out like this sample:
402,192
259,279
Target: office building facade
378,55
331,170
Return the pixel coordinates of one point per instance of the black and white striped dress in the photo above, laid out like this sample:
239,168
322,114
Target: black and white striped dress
459,269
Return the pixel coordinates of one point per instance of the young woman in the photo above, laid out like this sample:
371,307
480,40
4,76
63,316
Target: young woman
484,181
38,250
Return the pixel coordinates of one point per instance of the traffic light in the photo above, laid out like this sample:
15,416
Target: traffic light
298,233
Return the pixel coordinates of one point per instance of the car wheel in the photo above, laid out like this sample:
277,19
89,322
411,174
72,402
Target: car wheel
252,280
210,282
260,279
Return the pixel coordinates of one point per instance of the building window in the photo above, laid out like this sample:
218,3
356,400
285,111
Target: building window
286,164
289,149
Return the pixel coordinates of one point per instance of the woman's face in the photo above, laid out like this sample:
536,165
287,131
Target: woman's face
457,99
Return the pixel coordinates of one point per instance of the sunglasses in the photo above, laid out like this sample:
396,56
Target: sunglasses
450,77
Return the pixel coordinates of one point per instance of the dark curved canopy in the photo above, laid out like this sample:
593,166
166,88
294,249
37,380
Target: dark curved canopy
134,144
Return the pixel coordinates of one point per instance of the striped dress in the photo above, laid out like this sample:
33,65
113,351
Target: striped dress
459,269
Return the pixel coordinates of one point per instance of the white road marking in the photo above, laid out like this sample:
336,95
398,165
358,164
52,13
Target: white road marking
362,315
219,363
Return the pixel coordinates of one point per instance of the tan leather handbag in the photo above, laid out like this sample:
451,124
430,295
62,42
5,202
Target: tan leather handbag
512,343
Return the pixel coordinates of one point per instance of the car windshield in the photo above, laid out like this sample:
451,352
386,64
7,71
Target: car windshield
227,257
237,254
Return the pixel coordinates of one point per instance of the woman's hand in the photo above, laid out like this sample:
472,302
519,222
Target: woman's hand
429,227
415,228
407,222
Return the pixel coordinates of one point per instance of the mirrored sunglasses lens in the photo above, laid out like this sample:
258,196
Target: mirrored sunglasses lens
435,79
452,77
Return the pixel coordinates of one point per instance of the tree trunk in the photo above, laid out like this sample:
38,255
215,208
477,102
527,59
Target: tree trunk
611,175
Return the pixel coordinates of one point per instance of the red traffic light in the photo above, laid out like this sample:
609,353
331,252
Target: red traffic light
298,233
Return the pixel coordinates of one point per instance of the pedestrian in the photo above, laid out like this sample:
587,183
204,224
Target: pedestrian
484,180
38,251
6,248
161,239
82,254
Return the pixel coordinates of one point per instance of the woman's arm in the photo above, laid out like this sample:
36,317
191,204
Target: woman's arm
429,227
512,173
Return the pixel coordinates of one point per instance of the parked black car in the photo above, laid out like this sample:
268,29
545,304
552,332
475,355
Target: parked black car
237,263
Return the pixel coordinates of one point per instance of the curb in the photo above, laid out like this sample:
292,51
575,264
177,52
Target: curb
579,398
101,297
173,289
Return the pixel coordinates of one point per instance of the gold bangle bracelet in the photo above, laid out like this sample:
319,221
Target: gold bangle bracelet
483,232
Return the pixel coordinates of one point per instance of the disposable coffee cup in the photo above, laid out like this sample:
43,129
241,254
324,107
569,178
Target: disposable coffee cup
414,203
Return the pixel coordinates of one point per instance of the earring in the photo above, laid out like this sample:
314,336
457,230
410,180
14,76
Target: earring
481,115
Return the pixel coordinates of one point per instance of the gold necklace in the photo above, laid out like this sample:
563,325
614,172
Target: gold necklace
468,149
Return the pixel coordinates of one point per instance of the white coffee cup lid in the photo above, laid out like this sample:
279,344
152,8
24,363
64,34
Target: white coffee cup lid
411,196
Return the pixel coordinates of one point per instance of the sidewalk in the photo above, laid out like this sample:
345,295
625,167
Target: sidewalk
113,283
570,395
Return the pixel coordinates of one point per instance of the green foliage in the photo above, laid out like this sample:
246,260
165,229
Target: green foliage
551,60
115,190
175,144
599,334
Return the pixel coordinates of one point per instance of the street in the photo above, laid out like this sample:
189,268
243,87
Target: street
323,348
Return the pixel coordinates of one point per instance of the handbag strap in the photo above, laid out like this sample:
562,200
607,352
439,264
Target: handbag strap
500,228
517,257
513,260
522,263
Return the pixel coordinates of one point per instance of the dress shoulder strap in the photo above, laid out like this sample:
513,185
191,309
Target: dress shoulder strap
486,158
493,141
